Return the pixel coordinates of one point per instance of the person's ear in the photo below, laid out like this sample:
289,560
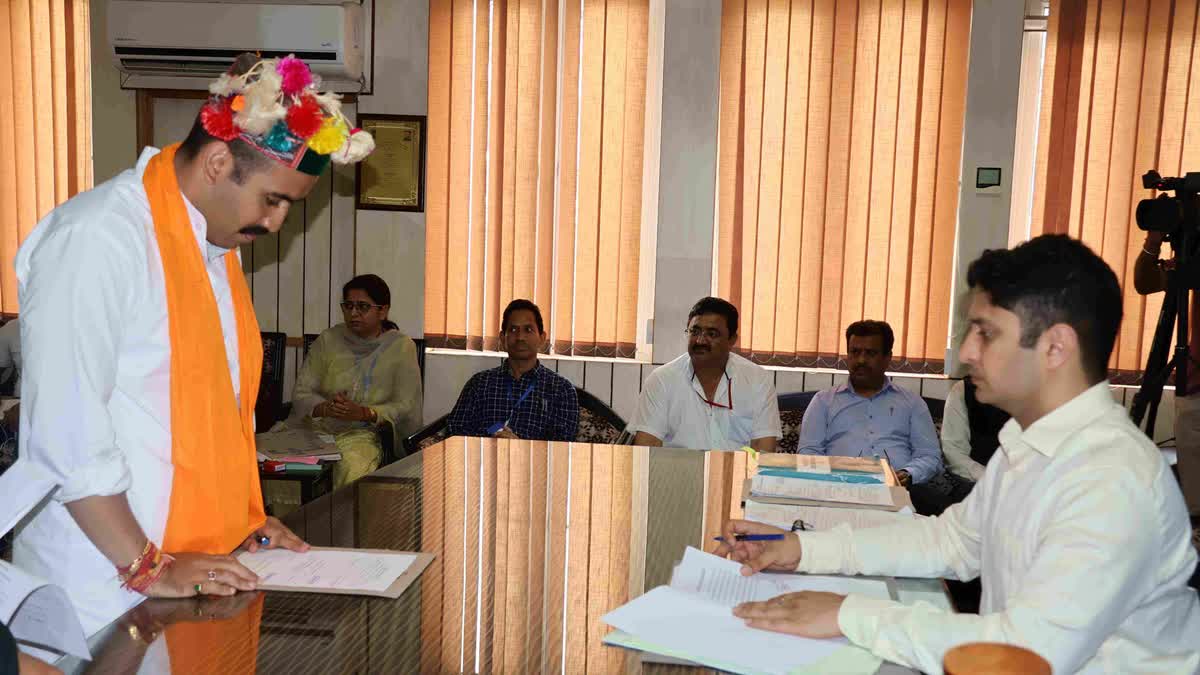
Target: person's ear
1058,345
216,162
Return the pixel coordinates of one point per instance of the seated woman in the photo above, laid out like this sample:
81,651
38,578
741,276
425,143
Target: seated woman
357,374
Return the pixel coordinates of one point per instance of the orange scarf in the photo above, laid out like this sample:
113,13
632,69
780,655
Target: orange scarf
216,500
223,646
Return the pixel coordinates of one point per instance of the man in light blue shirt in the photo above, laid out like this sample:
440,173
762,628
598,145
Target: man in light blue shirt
871,417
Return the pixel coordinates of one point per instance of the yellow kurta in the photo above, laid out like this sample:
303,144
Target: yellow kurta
385,379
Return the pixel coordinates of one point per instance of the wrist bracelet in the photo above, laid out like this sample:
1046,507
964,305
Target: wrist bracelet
127,571
1152,254
146,569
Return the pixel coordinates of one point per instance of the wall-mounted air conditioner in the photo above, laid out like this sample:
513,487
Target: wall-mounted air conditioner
183,44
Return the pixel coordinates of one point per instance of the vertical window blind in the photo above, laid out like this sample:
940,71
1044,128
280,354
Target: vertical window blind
1121,95
45,119
534,169
840,141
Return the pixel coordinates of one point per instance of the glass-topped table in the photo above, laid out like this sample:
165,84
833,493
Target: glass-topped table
534,542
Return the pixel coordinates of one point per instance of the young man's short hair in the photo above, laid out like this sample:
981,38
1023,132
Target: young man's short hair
1055,279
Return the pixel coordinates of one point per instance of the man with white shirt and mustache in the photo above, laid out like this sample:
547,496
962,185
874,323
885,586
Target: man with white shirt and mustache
709,398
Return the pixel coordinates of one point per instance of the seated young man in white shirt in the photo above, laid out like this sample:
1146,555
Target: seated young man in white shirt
1077,528
709,398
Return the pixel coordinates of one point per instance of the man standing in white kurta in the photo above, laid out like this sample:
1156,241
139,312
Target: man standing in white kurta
1077,528
142,355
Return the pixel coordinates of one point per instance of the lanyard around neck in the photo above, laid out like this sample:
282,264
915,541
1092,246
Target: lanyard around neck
728,392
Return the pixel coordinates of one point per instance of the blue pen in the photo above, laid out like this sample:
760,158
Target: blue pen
754,537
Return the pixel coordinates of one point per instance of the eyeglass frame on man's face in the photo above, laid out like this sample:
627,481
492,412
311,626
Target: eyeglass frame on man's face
362,307
708,333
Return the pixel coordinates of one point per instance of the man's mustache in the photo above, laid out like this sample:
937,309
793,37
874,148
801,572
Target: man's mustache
256,230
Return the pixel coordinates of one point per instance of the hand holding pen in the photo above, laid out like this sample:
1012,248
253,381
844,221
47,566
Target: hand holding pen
759,547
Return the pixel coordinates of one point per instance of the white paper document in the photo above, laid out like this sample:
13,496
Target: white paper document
39,614
328,570
693,618
821,518
844,493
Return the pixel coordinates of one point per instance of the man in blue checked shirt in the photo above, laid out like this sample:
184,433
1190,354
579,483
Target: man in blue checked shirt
521,398
871,417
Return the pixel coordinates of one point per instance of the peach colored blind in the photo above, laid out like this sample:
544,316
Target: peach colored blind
840,144
534,169
1120,95
45,119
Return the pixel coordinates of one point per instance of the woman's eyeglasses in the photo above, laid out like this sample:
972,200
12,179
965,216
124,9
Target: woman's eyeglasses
360,307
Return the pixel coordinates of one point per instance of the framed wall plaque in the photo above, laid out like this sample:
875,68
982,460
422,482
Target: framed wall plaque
393,177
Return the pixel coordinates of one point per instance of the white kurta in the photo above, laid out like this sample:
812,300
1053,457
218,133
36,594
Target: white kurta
95,387
672,406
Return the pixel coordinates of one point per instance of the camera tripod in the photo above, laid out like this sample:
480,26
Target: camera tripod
1172,319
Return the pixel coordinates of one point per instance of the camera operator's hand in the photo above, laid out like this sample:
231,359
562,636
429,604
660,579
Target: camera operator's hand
1149,272
1153,245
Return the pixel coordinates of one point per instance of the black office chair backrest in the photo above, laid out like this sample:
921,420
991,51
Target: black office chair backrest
420,344
791,414
937,410
268,406
309,339
598,423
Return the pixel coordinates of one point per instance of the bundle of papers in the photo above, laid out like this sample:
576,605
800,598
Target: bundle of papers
39,614
861,470
778,487
822,518
692,619
296,445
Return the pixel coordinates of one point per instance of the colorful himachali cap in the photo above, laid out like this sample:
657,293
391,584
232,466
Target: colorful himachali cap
275,107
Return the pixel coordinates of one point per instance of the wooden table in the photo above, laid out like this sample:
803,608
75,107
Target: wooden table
534,543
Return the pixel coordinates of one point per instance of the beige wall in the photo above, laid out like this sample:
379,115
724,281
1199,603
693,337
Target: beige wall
113,111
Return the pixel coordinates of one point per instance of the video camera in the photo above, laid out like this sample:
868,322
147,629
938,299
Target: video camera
1165,213
1178,219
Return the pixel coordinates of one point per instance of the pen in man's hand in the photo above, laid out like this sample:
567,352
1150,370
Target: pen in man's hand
754,537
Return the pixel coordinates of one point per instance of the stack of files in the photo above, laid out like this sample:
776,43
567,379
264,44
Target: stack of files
692,619
296,446
857,470
800,491
821,518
